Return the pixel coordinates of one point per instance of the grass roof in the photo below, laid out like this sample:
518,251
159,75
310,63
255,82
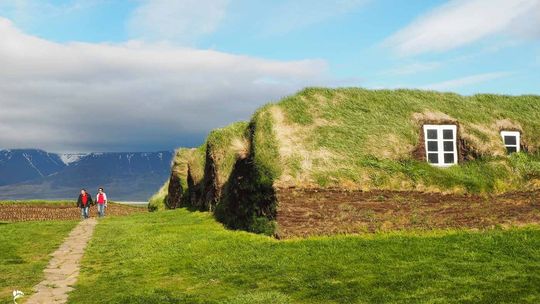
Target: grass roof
358,138
225,145
221,150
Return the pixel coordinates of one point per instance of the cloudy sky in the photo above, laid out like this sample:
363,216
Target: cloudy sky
148,75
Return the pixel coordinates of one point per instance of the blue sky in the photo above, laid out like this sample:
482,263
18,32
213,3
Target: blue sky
273,47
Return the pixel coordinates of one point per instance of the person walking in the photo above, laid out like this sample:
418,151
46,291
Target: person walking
101,200
84,202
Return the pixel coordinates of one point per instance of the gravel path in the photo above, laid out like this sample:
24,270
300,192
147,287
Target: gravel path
63,268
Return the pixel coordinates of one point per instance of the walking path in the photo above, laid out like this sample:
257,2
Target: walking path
63,269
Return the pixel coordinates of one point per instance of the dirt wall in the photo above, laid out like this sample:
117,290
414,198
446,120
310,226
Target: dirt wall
211,185
175,192
307,212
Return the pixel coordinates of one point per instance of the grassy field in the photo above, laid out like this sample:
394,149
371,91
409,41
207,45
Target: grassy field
182,257
24,253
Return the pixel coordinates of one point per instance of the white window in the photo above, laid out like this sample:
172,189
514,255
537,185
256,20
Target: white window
511,140
441,148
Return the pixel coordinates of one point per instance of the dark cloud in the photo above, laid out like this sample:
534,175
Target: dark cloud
132,96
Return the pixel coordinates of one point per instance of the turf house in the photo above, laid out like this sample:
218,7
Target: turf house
327,161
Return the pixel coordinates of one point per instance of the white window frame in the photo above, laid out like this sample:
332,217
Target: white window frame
516,134
440,144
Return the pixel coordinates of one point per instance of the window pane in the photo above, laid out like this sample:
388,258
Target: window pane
431,134
432,146
511,149
448,158
510,140
449,146
433,158
448,134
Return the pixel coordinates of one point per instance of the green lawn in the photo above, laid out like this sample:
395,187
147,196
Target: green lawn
24,253
182,257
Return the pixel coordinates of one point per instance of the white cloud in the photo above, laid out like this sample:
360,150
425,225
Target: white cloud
461,22
181,20
466,81
298,14
82,96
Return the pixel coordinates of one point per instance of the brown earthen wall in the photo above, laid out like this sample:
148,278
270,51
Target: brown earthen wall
308,212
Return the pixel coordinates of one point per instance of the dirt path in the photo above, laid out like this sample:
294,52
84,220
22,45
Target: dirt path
63,269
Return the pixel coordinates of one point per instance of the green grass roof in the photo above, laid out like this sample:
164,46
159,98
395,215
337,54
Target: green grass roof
225,145
358,138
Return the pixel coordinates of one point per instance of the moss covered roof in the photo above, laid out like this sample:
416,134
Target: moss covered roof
366,139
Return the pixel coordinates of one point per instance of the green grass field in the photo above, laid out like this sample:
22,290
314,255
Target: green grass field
24,253
182,257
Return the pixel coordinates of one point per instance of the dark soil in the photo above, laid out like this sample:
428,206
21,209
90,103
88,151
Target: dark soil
211,188
19,212
194,198
306,212
175,192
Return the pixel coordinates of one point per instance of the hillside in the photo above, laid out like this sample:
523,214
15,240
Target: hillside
364,140
126,176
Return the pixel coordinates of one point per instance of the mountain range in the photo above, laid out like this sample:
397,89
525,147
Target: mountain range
37,174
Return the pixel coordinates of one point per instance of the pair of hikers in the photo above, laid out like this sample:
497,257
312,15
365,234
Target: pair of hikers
85,201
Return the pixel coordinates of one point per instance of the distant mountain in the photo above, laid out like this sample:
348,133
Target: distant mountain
125,176
27,164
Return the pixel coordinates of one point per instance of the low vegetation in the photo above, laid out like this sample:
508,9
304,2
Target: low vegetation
158,201
187,257
38,202
24,253
16,211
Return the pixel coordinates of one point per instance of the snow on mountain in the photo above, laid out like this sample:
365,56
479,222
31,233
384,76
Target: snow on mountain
19,165
70,158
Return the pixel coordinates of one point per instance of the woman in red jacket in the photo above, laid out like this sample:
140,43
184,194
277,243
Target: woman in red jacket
101,200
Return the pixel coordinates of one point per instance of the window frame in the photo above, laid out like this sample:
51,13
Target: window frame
440,144
517,135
